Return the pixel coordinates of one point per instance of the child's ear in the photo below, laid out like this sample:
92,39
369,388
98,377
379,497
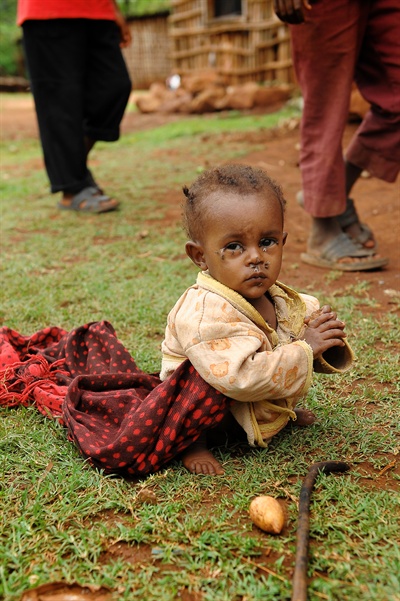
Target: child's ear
284,238
194,251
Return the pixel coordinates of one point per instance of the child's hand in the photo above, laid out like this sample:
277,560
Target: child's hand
324,330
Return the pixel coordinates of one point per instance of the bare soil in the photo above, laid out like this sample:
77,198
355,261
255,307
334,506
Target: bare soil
378,204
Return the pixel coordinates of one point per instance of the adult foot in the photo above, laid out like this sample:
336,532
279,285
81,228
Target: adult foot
305,417
197,459
88,200
342,254
330,248
350,224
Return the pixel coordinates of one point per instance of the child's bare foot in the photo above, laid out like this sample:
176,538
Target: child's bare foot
305,417
199,460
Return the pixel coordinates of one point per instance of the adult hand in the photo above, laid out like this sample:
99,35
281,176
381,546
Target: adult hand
291,11
125,32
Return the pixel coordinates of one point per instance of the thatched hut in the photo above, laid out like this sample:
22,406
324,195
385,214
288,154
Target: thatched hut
242,40
147,58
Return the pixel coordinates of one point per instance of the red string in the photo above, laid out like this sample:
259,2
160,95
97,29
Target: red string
19,380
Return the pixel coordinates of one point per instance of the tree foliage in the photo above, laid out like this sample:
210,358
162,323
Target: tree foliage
138,8
9,36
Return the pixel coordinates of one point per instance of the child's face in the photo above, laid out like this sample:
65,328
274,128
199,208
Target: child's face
242,242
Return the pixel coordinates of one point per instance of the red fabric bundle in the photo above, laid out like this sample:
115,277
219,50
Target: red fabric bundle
121,418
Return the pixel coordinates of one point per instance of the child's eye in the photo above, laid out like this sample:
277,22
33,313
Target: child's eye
266,242
234,248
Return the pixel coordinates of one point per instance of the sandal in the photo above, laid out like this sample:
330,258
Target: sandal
346,219
335,253
89,200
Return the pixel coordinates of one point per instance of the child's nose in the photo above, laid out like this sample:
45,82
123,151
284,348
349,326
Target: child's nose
255,255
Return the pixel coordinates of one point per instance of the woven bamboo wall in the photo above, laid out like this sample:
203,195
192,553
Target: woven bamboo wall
253,46
147,58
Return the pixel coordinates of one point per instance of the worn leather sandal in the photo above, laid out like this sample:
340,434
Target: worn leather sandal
348,218
89,200
343,254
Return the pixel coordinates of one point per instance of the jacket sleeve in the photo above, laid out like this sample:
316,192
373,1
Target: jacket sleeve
234,356
337,359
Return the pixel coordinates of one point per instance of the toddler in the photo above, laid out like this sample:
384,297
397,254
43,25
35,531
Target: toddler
249,336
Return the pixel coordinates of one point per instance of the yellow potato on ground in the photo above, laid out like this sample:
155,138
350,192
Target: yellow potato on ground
266,513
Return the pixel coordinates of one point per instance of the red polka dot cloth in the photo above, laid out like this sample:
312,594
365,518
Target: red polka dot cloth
122,419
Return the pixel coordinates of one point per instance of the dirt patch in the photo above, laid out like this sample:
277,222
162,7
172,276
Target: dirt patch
61,591
18,119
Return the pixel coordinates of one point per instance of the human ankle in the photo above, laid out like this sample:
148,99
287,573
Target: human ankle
323,229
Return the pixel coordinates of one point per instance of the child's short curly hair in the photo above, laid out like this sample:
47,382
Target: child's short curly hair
240,179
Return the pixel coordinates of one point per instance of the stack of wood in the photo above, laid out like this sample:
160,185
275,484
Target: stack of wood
13,83
206,92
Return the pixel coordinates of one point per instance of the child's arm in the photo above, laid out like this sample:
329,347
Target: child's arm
234,358
324,331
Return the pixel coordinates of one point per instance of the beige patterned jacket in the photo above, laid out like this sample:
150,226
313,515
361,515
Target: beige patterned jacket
232,347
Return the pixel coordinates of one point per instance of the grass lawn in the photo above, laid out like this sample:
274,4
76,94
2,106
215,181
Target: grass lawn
174,535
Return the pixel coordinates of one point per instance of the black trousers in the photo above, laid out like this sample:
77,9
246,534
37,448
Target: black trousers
81,87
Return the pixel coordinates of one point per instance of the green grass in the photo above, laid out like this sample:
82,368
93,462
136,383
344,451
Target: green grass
61,520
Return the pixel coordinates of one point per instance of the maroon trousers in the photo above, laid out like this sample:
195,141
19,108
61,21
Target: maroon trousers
122,419
342,41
